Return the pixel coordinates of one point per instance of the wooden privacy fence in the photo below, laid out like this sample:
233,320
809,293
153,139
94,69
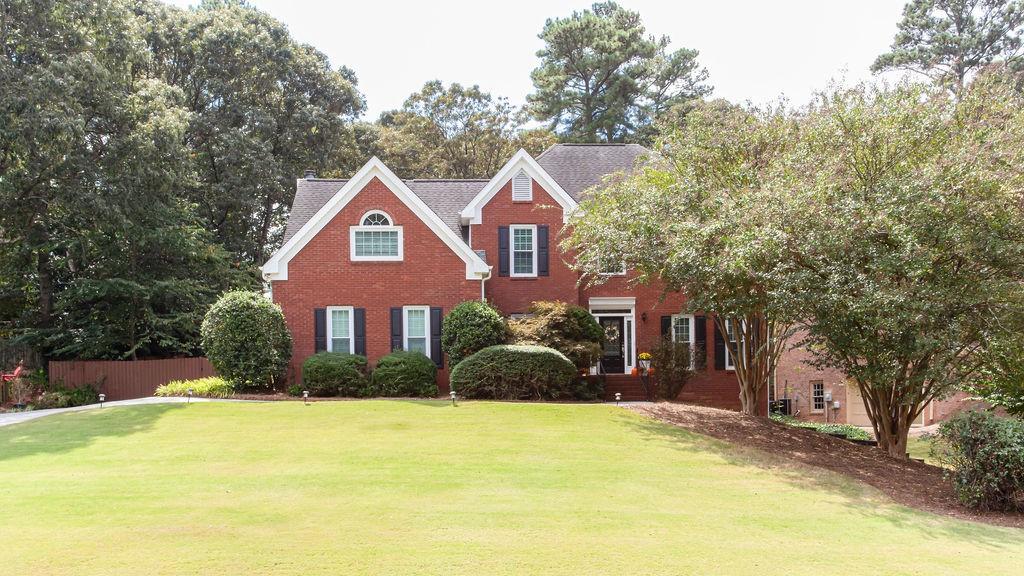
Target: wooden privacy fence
122,380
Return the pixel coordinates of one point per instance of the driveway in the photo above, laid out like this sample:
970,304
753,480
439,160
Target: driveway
8,418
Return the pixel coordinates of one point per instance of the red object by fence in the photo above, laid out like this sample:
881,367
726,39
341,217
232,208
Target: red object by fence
123,380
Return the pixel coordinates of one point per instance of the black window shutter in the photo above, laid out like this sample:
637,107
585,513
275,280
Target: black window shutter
319,329
666,326
719,349
542,250
359,324
435,337
503,252
700,340
396,329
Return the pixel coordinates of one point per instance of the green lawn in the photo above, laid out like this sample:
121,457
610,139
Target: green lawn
424,488
919,447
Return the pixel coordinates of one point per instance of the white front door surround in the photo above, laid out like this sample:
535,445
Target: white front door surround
621,307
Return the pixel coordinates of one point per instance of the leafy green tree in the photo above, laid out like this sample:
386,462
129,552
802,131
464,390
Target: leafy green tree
705,219
602,78
247,341
264,108
908,238
93,152
949,40
454,132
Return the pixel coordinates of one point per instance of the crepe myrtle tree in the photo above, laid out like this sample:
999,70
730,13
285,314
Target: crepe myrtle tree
909,239
704,218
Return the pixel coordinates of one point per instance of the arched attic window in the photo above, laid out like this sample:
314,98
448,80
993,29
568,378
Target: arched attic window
375,238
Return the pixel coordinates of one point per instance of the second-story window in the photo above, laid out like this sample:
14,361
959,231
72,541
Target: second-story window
524,250
376,238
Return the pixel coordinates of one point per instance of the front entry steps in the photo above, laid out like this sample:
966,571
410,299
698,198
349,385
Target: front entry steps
631,388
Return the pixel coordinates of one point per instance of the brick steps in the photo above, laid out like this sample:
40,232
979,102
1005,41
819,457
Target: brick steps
631,388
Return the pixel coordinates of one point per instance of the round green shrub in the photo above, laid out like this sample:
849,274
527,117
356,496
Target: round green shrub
470,327
245,338
335,374
403,374
984,458
515,372
570,329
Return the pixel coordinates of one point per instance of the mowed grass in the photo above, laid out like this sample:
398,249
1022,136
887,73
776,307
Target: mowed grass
390,487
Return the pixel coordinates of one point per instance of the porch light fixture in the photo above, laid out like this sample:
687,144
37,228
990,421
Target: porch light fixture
103,397
189,400
305,397
452,394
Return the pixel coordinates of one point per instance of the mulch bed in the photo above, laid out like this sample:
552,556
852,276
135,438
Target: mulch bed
911,483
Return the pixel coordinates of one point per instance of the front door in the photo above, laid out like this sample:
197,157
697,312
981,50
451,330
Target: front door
613,357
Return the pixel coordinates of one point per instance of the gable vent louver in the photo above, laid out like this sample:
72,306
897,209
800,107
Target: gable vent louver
522,187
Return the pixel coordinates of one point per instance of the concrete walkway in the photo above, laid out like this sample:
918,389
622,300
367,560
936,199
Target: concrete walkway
8,418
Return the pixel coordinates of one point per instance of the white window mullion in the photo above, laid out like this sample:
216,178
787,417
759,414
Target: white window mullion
340,329
523,250
416,329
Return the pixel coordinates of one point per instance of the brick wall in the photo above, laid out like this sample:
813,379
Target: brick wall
794,379
514,295
322,274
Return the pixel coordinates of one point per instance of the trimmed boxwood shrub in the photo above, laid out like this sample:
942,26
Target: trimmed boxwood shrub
515,372
470,327
335,374
403,374
245,337
984,454
568,328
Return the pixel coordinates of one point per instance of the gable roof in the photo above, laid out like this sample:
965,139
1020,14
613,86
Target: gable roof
577,167
444,198
277,267
521,160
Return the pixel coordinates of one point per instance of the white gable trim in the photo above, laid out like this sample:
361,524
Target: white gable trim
472,213
277,267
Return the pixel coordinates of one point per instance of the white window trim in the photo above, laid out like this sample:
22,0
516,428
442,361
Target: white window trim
729,364
512,250
351,328
529,187
426,327
815,410
693,335
372,212
352,243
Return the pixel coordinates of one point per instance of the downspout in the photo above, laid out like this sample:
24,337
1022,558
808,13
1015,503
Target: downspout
484,276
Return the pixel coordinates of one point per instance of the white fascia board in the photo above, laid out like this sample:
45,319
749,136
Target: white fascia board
472,213
277,267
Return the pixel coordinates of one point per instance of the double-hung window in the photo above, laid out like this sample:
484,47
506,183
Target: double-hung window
818,395
524,249
730,337
683,331
417,329
339,329
376,238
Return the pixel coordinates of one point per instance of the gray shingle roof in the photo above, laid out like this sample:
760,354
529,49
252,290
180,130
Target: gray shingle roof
577,167
445,197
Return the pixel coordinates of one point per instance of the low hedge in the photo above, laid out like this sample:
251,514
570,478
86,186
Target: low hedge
63,397
404,374
212,387
848,430
335,374
515,372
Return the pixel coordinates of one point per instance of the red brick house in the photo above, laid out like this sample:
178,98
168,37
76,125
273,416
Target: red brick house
372,263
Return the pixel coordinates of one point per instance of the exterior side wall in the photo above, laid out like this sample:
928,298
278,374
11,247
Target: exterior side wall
322,274
514,295
794,377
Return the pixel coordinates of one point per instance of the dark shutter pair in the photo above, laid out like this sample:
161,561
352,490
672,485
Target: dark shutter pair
505,251
358,330
700,336
397,330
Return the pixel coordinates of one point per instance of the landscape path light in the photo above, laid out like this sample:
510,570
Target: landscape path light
452,394
189,400
305,397
102,398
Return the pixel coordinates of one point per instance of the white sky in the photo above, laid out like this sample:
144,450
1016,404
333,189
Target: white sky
754,50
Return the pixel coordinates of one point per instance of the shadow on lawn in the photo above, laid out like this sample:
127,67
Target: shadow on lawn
61,433
856,496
